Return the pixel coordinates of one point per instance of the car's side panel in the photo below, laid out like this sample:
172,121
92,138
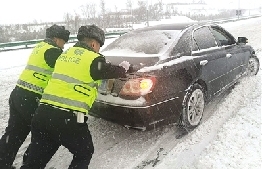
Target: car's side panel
213,69
237,59
235,54
210,59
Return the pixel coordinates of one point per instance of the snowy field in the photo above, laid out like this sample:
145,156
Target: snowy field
228,138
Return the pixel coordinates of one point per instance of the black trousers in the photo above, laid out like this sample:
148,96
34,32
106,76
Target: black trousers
22,106
52,127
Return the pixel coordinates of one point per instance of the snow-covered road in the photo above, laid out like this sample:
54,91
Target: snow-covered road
229,136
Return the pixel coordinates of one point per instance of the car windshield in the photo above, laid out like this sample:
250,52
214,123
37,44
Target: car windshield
142,42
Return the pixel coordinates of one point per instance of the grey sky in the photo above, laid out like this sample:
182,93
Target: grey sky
26,11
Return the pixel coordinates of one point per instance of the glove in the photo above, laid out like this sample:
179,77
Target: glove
125,65
131,69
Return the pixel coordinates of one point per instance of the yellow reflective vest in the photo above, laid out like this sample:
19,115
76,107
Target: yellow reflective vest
71,86
37,72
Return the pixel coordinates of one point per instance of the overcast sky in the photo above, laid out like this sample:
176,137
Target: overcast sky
26,11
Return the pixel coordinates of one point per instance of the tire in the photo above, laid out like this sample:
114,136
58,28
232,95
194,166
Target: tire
193,107
253,66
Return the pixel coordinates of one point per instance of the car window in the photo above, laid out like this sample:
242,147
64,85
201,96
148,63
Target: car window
142,42
204,38
222,37
183,45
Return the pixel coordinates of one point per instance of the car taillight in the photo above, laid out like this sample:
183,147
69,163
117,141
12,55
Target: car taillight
138,87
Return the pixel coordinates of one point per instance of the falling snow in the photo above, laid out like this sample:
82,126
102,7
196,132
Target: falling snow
229,136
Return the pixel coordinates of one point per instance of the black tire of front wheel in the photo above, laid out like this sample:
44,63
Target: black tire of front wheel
257,62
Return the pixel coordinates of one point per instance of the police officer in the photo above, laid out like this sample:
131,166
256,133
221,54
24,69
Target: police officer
61,117
24,98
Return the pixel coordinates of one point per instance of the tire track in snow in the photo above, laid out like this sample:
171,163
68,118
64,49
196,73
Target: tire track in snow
117,147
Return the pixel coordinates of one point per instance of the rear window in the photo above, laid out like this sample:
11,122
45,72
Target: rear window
146,42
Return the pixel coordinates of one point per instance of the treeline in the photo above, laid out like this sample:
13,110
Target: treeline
12,33
114,18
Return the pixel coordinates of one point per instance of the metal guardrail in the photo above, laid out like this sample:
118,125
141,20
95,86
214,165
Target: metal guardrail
30,43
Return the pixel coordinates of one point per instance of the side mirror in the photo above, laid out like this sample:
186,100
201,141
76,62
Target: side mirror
242,40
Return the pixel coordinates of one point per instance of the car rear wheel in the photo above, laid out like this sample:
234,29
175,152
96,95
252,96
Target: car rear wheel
193,106
253,66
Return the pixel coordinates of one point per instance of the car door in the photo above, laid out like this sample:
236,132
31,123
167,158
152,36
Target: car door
236,61
235,55
210,58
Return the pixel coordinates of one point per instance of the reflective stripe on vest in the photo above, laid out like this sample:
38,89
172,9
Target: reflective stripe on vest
37,72
38,69
66,101
72,80
71,85
30,86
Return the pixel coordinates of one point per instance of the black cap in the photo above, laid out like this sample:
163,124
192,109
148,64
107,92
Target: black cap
58,32
91,31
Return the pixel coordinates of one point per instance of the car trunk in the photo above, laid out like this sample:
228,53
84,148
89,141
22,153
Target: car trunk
114,86
136,62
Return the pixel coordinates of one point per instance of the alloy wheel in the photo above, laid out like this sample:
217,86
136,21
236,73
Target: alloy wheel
195,107
253,66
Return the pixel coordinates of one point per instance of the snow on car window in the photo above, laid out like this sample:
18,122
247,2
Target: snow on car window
146,42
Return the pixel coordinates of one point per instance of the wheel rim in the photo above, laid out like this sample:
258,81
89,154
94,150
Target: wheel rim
195,107
252,67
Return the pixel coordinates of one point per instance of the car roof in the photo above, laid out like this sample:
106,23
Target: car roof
176,26
171,26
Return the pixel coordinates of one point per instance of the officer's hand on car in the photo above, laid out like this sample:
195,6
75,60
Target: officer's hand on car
125,65
131,69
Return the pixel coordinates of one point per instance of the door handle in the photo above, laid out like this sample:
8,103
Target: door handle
203,62
229,55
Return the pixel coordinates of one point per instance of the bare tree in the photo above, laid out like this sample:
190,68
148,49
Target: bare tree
3,35
160,8
117,17
93,13
129,5
76,22
156,11
69,21
103,11
141,11
85,12
89,12
35,22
